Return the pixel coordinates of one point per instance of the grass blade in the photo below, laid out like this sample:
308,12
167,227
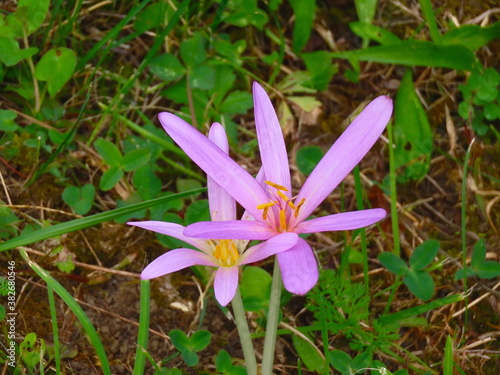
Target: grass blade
448,357
75,307
426,7
85,222
142,335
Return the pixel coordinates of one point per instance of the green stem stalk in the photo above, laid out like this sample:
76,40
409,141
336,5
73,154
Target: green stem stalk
392,183
244,333
272,321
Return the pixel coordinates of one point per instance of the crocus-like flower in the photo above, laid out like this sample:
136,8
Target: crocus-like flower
271,203
225,254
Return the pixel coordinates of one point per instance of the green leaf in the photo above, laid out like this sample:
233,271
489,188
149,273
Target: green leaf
416,52
202,77
472,36
167,67
151,17
341,361
489,269
412,132
85,222
424,254
7,123
110,178
80,200
428,12
491,111
179,340
365,9
135,159
147,183
319,64
378,34
109,152
361,361
255,287
478,253
200,340
308,353
223,361
190,357
464,272
193,50
35,14
448,357
61,60
185,184
420,284
11,54
304,18
197,211
308,157
236,102
393,263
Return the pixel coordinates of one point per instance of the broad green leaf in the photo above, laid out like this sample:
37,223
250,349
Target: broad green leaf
167,67
247,15
472,36
147,183
361,361
464,272
319,64
308,353
304,18
110,178
179,340
109,152
135,159
11,54
190,357
424,254
7,123
197,211
412,132
56,68
36,12
236,102
202,77
489,269
223,361
478,253
308,157
378,34
152,16
11,26
341,361
193,50
80,199
200,340
255,288
85,222
393,263
416,52
420,284
365,9
184,184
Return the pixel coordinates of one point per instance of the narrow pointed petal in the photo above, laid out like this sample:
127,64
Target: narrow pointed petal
343,221
222,205
229,230
172,230
225,284
271,143
176,260
260,178
219,166
344,155
298,267
275,245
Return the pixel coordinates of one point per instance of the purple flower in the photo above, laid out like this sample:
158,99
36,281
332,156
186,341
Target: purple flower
269,200
225,254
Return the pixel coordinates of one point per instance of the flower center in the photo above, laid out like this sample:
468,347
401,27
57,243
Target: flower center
226,253
280,207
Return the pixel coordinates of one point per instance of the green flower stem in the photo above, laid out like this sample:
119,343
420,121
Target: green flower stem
245,339
272,321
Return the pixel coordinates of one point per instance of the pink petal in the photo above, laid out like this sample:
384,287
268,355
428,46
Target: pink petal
225,284
260,178
342,221
222,205
343,156
225,172
299,269
229,230
176,260
277,244
271,144
173,230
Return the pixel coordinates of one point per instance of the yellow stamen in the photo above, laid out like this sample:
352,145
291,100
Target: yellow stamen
292,206
265,205
282,196
226,253
276,186
283,220
297,209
